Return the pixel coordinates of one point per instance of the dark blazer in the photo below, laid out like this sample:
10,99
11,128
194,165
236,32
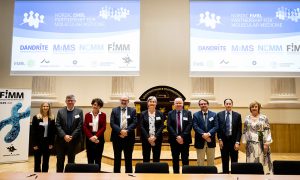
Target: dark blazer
236,126
38,131
199,128
159,125
115,121
87,129
186,126
61,124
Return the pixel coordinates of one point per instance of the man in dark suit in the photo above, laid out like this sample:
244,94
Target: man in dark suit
179,126
69,130
229,134
123,123
205,125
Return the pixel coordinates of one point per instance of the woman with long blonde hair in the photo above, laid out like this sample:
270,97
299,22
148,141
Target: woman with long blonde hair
43,132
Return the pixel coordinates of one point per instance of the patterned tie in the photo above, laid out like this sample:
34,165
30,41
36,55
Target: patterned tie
205,121
227,120
124,119
178,122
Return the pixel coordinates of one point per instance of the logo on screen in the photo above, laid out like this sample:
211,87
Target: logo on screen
112,13
283,13
127,60
19,63
45,61
209,20
30,63
224,62
33,19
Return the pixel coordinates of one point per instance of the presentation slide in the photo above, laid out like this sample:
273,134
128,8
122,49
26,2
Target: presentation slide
76,38
245,38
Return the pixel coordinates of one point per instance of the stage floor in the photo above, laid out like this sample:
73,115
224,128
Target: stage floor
137,157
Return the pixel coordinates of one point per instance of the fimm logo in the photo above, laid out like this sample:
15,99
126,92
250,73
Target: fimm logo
11,95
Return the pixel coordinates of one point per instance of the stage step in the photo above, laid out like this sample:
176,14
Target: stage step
108,154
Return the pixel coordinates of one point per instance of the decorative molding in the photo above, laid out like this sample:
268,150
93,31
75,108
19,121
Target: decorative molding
43,90
283,93
123,85
203,88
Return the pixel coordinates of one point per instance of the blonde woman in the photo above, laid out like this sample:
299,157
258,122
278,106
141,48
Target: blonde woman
257,136
43,131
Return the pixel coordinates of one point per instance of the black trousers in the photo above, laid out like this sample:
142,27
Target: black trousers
94,152
63,149
228,151
44,152
126,145
146,146
177,150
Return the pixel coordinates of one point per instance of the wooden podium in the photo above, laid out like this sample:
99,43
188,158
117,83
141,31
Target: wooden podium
165,102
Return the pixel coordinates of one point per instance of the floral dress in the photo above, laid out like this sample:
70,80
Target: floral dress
256,134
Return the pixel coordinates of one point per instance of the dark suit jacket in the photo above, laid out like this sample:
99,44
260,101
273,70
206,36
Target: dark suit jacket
159,125
88,129
186,126
115,120
236,126
38,131
199,128
76,128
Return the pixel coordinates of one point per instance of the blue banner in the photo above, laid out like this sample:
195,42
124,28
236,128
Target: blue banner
246,17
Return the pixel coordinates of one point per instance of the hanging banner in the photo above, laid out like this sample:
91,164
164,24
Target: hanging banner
14,124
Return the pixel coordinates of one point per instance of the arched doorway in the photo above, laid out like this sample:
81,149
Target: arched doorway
165,97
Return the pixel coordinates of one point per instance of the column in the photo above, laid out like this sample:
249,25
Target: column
203,88
123,85
43,90
283,92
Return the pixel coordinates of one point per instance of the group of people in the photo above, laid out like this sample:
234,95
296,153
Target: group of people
225,125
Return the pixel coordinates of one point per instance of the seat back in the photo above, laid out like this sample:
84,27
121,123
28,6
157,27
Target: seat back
81,168
247,168
155,167
286,167
199,169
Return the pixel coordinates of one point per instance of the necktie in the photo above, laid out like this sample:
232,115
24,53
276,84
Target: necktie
178,122
205,121
124,119
227,120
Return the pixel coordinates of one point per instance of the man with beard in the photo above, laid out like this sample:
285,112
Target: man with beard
123,122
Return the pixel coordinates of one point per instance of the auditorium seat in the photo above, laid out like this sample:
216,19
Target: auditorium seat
199,169
155,167
286,167
81,168
247,168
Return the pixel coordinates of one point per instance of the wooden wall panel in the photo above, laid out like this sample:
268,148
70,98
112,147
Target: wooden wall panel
281,138
294,135
286,138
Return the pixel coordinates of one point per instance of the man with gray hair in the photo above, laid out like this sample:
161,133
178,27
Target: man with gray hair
179,129
123,123
69,129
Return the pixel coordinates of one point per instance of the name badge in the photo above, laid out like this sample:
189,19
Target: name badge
128,116
158,118
91,124
77,116
211,119
41,124
184,118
